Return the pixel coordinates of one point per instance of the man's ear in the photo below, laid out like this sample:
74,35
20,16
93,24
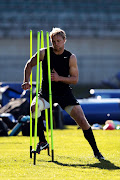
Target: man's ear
51,40
65,40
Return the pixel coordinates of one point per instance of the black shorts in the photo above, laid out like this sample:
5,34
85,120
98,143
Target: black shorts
64,99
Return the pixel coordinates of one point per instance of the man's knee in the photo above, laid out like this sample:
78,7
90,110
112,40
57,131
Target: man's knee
78,115
42,105
33,108
68,109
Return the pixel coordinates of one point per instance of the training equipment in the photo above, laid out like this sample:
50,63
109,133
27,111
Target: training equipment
30,97
39,104
46,109
50,94
109,127
37,89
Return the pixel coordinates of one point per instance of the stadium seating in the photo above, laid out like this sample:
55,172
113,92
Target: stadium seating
78,18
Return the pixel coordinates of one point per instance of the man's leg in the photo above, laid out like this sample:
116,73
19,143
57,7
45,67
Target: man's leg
42,140
42,144
41,128
42,105
78,115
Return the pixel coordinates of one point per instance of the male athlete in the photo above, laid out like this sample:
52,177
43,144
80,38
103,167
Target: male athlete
64,72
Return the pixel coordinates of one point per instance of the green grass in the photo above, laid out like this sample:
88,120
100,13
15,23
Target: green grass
73,157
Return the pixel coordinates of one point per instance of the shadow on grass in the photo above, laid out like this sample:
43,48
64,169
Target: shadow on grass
103,164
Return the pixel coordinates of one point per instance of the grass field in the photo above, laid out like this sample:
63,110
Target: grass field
73,157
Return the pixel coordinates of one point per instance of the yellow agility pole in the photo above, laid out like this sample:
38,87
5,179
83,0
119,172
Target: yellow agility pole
37,89
30,97
50,94
47,128
42,46
46,110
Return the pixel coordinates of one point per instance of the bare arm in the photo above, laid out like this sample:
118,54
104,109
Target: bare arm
73,71
28,68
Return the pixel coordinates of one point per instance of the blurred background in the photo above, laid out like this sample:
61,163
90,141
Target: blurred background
92,28
93,35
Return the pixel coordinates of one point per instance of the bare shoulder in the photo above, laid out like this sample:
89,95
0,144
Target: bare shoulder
73,60
42,54
73,67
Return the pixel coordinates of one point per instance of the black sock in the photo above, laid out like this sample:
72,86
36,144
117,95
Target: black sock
40,129
88,134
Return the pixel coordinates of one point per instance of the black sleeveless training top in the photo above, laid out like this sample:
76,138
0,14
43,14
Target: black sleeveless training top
61,65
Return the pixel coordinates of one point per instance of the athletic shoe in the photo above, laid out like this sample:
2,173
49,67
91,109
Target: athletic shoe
99,156
41,146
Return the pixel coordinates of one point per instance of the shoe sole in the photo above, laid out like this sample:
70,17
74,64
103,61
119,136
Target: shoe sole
43,148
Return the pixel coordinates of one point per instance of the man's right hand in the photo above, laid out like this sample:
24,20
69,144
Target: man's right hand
26,85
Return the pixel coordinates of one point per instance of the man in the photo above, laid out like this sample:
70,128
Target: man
64,72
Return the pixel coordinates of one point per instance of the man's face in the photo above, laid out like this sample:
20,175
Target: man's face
58,42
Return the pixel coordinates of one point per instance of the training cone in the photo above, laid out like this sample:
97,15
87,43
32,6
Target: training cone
109,127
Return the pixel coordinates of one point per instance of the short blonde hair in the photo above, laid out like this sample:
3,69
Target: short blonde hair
57,31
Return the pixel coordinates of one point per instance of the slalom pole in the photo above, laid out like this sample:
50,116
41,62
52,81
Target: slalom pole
47,129
42,46
30,97
37,89
46,110
50,93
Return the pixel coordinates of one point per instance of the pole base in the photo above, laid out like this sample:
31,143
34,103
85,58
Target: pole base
34,158
30,151
34,152
52,155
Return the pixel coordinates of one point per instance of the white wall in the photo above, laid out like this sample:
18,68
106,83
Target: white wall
97,58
